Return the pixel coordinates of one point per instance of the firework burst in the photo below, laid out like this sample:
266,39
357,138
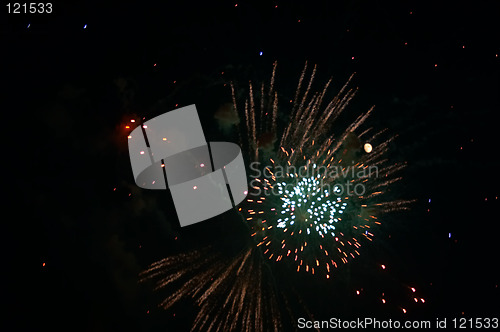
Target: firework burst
233,294
319,191
318,195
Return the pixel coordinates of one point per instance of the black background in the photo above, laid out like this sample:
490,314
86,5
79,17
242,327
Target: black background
430,69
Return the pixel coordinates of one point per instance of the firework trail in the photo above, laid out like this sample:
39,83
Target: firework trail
317,193
233,294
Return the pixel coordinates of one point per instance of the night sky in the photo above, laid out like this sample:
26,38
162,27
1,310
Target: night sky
78,231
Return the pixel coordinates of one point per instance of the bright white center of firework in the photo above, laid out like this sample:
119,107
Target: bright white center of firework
368,147
316,208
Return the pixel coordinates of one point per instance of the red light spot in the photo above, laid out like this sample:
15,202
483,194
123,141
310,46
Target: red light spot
43,264
383,267
154,65
127,127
